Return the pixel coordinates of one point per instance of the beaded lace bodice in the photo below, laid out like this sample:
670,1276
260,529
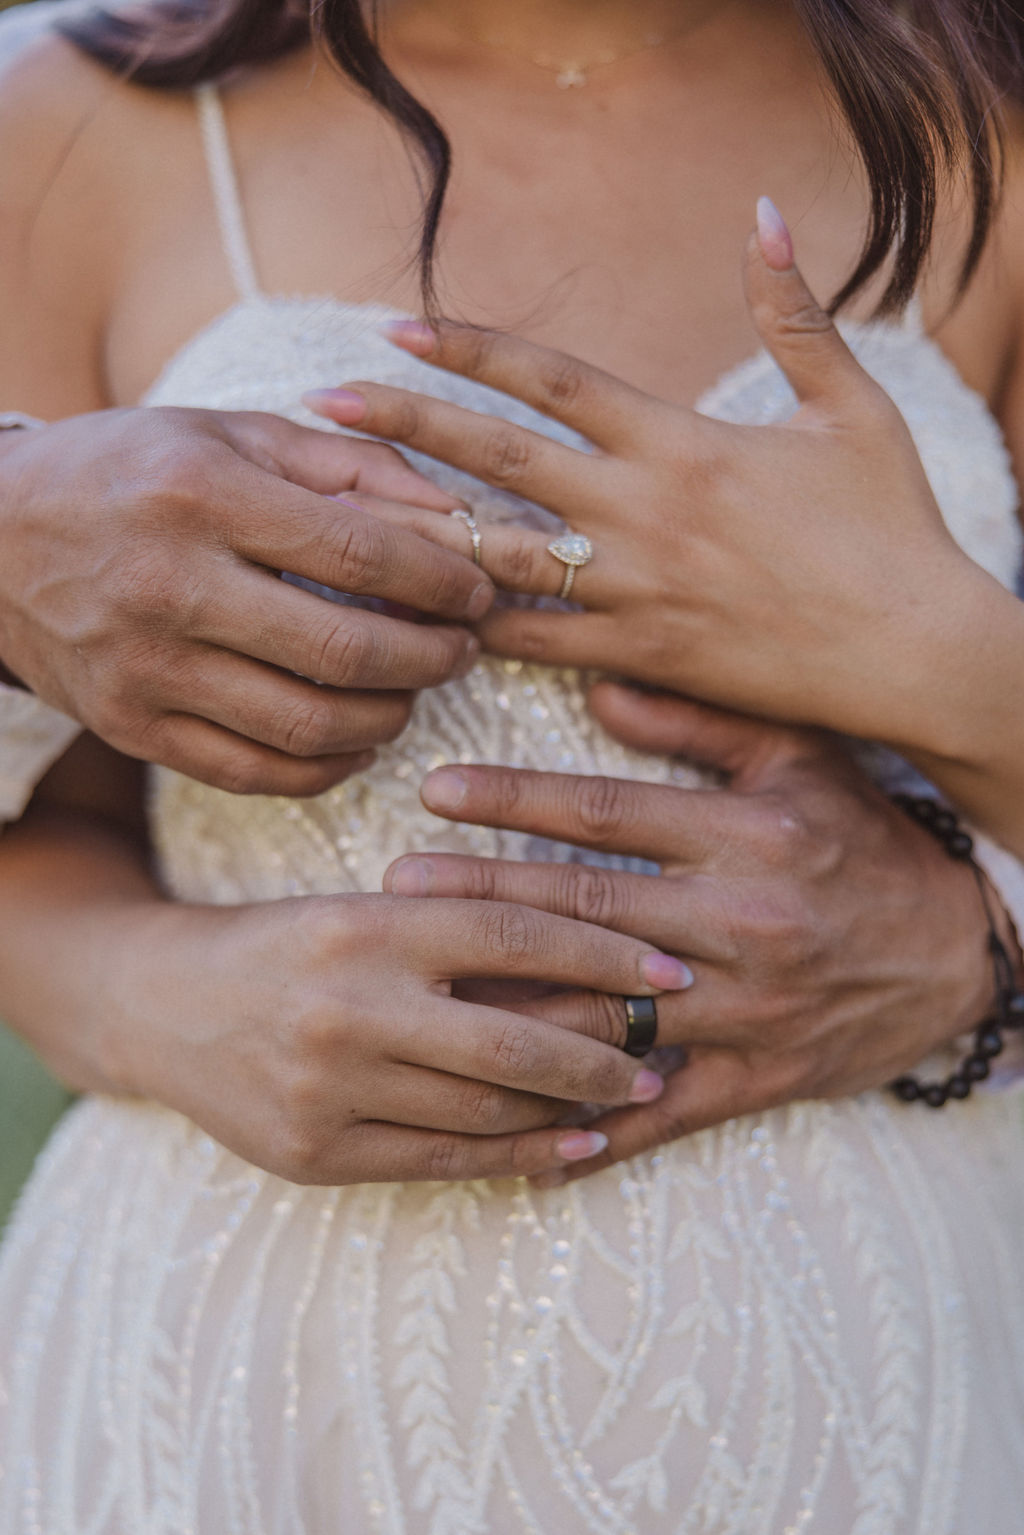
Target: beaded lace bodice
794,1324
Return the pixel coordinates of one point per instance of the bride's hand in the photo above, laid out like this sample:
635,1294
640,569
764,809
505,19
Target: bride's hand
318,1037
834,943
782,570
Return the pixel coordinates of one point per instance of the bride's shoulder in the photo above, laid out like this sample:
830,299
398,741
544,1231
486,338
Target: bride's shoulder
78,150
67,124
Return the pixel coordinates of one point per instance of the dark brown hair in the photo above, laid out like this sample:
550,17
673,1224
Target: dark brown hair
919,84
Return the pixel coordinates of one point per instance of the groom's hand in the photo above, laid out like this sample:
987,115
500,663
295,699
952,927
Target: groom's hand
832,941
139,591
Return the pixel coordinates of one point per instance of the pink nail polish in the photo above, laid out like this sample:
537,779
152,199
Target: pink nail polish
444,790
580,1144
666,973
647,1085
773,236
413,876
340,404
413,335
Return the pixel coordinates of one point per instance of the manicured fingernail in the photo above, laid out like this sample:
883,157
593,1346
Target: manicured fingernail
773,236
647,1085
412,334
580,1144
666,973
480,602
337,403
470,656
413,876
552,1180
444,790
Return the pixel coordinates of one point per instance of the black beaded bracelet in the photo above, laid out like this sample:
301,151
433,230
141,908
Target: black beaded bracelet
1008,1012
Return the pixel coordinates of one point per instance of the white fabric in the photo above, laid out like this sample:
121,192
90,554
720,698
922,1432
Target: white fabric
32,737
805,1321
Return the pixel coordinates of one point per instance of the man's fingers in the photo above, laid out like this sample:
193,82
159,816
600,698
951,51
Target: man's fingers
602,408
713,1087
795,329
328,462
230,762
516,559
638,904
716,738
285,712
338,545
335,643
464,940
611,815
554,639
488,447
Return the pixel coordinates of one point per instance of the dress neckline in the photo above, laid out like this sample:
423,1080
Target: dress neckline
910,329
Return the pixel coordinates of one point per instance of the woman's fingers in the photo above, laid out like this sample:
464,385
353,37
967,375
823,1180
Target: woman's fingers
731,743
488,447
798,333
492,1049
325,461
555,639
607,411
611,815
373,1152
713,1087
515,559
438,1100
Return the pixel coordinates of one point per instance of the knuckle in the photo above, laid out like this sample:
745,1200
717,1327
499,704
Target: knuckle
443,1159
483,1107
515,1050
785,833
304,726
359,551
406,419
601,807
806,319
506,456
519,566
589,895
561,380
241,771
342,651
509,932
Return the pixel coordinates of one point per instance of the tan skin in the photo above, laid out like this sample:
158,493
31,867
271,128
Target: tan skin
309,152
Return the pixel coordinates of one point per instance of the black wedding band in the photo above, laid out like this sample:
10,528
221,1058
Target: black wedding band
641,1025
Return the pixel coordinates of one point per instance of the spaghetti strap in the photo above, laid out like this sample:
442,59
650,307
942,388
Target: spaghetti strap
226,196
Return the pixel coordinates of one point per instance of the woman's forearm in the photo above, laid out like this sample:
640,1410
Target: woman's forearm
75,900
956,702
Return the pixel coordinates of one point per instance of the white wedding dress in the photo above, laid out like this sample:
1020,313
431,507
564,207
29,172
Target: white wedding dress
806,1321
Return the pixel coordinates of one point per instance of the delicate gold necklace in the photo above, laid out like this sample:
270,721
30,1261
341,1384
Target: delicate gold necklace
574,73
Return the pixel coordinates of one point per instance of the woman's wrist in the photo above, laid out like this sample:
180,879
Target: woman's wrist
956,679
